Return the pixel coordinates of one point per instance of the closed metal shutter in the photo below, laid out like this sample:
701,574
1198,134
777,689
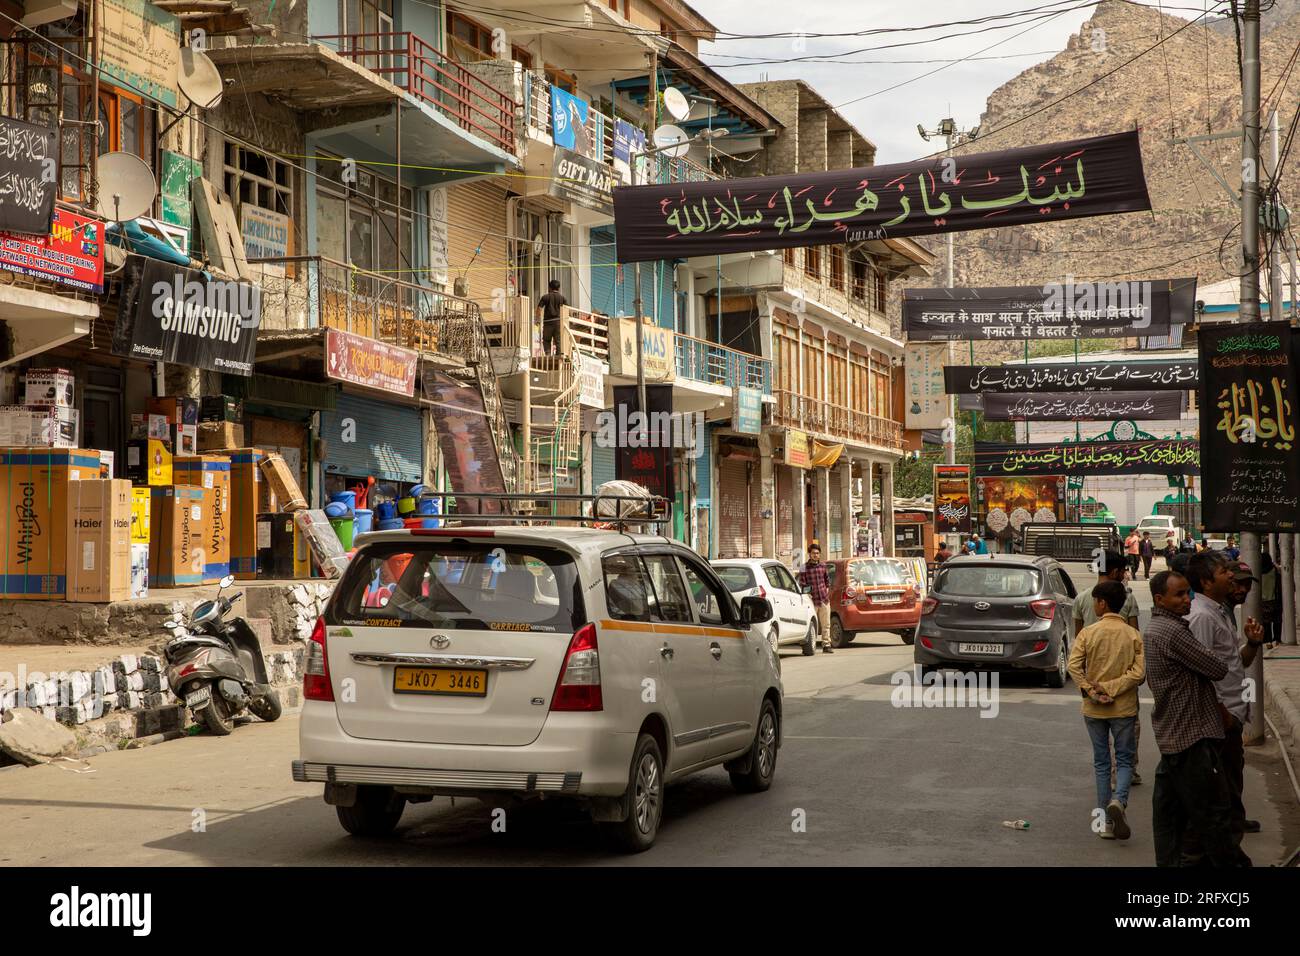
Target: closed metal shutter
704,471
603,464
836,513
476,213
785,505
740,530
604,272
367,437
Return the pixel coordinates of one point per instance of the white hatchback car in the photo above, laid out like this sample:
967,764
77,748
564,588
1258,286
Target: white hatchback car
522,662
794,619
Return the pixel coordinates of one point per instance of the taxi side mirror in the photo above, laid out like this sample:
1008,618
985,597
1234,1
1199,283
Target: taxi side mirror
755,610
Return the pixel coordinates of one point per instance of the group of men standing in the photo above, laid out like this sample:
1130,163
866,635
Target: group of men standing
1195,664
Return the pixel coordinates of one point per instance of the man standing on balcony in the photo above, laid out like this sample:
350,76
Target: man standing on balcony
550,309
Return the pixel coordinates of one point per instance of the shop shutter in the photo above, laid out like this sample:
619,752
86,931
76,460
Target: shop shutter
704,471
835,512
604,272
740,531
603,464
785,505
387,441
476,213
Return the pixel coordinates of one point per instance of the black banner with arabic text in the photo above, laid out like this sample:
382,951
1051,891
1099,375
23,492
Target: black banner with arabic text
1064,310
1248,403
1071,377
952,504
1090,458
28,180
1068,180
1082,406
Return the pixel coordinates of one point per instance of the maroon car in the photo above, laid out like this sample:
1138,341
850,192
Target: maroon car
872,594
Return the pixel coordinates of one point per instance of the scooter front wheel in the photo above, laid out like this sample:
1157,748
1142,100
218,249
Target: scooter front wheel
217,717
267,707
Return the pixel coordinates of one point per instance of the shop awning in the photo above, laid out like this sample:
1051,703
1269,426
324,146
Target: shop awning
275,390
824,455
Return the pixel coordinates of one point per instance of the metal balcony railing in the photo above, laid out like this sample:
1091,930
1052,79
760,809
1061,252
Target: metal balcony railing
411,64
836,422
580,331
706,361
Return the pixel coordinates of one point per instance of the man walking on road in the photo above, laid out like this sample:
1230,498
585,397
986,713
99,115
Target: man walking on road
816,579
1132,549
1106,662
1191,790
1146,551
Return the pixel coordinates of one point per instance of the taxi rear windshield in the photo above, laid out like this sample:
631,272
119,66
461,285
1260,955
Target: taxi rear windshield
877,572
463,585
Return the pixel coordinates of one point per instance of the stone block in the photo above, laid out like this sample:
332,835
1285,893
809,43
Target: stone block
31,738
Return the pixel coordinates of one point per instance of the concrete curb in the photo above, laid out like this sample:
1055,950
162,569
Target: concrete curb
1284,709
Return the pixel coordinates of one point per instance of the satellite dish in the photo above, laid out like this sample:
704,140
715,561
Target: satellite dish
198,79
126,187
676,104
538,242
672,141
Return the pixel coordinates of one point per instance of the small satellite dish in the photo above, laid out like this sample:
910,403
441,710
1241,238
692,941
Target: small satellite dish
672,141
198,79
677,105
126,187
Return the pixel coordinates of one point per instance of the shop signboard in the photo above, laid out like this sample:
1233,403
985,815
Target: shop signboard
72,253
926,401
747,417
658,349
952,503
362,361
28,177
140,48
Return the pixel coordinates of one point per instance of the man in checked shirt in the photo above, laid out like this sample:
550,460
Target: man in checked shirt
816,579
1192,791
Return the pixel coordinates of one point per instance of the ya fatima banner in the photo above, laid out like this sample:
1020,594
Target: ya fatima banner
1082,406
952,510
1071,377
1248,404
1057,310
1049,183
1090,458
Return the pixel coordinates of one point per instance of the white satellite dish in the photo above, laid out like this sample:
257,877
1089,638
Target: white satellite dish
126,187
672,141
198,79
677,105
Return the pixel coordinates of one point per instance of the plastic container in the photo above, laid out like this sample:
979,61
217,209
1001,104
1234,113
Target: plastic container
385,511
344,527
427,506
413,522
418,490
365,518
337,509
347,498
391,524
406,506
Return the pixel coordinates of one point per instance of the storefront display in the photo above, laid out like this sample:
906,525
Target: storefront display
1006,505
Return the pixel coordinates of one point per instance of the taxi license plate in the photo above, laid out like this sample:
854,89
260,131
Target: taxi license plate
980,649
886,597
453,681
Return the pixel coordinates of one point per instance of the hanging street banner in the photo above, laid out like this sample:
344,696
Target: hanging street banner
925,402
1083,407
1083,177
1248,403
1057,310
28,177
177,315
1089,458
952,508
1072,377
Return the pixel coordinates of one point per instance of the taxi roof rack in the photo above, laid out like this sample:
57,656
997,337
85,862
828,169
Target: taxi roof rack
526,508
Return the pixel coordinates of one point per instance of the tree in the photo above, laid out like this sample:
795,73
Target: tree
915,478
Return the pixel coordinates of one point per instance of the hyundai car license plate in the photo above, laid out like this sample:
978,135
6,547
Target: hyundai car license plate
994,649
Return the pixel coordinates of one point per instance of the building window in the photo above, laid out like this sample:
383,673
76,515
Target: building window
357,223
257,179
787,255
881,291
565,81
668,31
837,268
812,261
468,41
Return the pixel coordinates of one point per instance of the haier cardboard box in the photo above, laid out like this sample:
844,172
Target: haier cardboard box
212,474
247,489
177,536
34,485
99,540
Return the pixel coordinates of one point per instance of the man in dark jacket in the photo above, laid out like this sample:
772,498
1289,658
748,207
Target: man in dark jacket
1147,551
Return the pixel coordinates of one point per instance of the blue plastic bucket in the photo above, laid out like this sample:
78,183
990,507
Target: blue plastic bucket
347,498
428,506
385,511
392,524
364,520
336,509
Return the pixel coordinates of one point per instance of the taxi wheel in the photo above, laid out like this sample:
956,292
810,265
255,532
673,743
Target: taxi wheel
645,800
373,815
810,640
908,636
762,755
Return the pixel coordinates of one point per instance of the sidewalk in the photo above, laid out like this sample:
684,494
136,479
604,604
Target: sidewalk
1282,695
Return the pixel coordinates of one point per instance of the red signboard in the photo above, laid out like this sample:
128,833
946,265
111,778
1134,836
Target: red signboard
73,252
367,362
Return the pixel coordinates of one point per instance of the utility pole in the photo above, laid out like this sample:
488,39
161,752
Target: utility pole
1248,309
1284,553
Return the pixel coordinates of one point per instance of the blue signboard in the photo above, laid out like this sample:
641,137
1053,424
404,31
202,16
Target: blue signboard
569,122
748,419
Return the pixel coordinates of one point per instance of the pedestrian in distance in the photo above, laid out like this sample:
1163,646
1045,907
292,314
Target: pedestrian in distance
1188,544
550,309
1132,551
1107,665
1269,605
1147,551
815,576
1191,792
943,554
976,545
1171,549
1230,550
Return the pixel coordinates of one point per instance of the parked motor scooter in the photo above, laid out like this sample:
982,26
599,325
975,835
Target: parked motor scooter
215,665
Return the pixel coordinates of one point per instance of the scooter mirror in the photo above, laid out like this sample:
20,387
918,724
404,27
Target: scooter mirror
227,581
171,625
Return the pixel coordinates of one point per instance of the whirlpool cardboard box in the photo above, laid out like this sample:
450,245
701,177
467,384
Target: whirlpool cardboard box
248,495
99,540
34,484
177,537
212,474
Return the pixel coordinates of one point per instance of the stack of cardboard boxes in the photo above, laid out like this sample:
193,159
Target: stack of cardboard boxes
47,418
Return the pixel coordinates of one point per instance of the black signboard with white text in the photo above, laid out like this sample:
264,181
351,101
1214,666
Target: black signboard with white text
1064,310
585,181
1248,403
28,177
645,457
1089,458
1071,377
1081,406
172,314
1048,183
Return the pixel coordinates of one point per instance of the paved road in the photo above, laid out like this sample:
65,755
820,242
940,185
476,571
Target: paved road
876,784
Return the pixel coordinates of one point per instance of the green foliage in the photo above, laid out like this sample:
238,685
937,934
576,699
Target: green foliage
915,479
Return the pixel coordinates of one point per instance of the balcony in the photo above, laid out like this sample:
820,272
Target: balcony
412,65
586,332
705,361
835,422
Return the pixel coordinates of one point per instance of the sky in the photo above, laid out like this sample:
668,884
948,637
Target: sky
887,117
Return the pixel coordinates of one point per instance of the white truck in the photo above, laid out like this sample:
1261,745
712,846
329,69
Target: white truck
1161,527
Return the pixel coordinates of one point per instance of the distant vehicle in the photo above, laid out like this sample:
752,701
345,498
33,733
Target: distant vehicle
1160,527
872,594
794,618
1007,612
1066,541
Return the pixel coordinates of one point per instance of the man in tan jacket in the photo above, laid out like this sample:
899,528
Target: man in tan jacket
1106,662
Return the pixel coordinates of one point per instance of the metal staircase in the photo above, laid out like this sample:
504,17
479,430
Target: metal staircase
556,421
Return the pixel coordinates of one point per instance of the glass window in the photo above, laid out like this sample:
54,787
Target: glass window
671,601
457,585
877,572
788,582
736,578
987,580
710,603
627,589
773,572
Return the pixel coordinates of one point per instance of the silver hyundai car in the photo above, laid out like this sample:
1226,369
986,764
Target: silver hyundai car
998,612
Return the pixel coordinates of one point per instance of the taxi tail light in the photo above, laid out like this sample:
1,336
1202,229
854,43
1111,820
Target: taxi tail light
316,674
928,606
1044,608
579,685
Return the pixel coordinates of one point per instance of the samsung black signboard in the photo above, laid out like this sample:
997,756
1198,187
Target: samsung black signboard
177,315
28,177
1071,377
1040,184
1248,403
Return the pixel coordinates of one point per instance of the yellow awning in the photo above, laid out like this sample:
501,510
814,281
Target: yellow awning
824,455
